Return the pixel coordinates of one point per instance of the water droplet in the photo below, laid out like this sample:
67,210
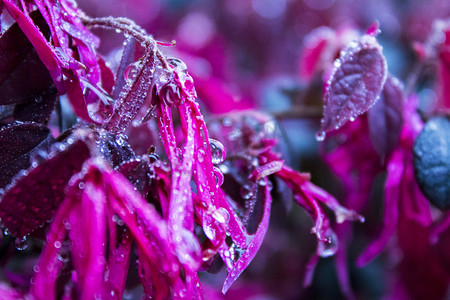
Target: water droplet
217,151
337,63
201,155
227,122
221,215
219,176
38,157
352,118
21,243
246,192
114,294
177,64
100,103
57,244
81,185
329,246
320,136
208,254
131,72
261,182
36,269
170,94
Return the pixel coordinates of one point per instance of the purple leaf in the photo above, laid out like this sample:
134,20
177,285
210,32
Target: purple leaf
385,117
40,109
126,60
357,80
133,94
139,173
17,144
23,77
250,252
432,161
32,199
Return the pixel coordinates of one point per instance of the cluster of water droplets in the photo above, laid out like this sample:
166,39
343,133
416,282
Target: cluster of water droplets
218,155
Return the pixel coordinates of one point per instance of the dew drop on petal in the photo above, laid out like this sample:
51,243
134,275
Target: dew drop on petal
217,151
219,176
221,215
21,243
328,247
320,136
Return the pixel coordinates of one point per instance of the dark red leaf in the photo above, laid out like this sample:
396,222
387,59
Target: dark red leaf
33,199
23,76
38,110
432,161
385,117
355,84
17,144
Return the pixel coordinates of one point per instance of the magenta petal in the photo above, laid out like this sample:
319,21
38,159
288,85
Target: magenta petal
356,82
249,253
385,117
314,47
49,265
395,171
88,250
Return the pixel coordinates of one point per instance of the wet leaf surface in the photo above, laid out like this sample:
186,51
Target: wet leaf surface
33,199
18,143
355,83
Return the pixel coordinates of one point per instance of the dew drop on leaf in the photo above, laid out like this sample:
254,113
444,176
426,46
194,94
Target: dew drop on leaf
131,72
217,151
21,243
